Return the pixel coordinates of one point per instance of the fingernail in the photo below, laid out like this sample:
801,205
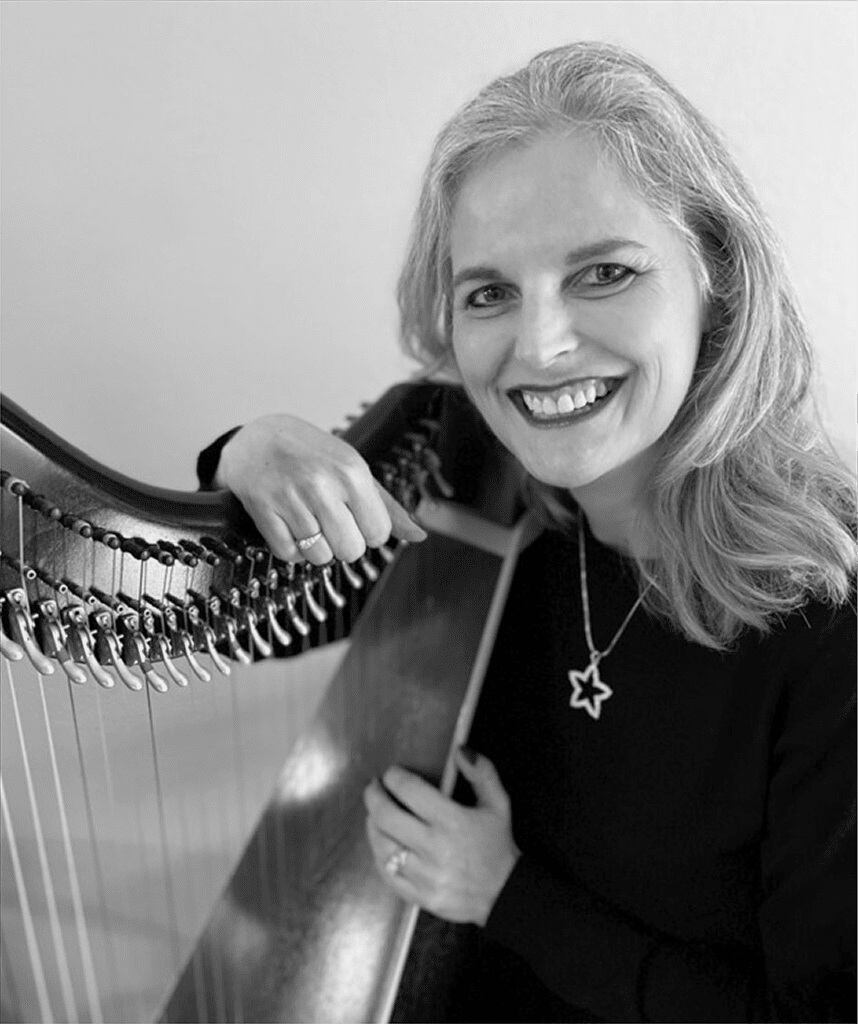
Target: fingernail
469,755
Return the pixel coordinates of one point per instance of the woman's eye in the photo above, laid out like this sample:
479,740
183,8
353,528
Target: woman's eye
603,274
489,295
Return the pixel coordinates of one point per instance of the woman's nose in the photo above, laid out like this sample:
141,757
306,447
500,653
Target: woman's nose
546,330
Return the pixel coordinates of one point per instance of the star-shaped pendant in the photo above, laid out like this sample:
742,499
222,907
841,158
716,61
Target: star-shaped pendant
588,690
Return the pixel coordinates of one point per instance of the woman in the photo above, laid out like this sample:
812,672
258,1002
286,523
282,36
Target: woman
662,824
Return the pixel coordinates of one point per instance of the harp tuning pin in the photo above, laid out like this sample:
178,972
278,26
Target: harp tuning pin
196,551
223,550
13,484
106,537
176,554
135,547
78,526
39,503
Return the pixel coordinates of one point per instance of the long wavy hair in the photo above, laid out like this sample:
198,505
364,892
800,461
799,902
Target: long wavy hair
753,511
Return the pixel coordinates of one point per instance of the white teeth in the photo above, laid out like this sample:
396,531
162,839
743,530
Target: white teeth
565,402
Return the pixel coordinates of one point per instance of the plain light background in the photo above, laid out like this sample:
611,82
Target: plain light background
205,205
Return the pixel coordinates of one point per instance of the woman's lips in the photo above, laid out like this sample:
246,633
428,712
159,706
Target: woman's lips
567,418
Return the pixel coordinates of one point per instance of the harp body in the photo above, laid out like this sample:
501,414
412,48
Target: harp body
182,814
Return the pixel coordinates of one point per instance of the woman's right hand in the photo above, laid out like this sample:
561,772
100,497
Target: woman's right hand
295,480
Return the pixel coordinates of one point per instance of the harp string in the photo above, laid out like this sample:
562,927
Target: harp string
7,974
46,1013
123,909
208,846
93,840
66,989
162,828
81,928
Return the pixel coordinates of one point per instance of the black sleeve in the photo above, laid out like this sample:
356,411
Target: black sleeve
594,956
208,459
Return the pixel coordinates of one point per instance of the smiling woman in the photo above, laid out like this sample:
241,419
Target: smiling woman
669,837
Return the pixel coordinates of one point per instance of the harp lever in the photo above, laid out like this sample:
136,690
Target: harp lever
23,632
292,611
335,596
135,652
355,581
235,649
185,646
107,650
369,570
317,611
209,640
8,648
248,619
80,644
277,631
160,647
53,640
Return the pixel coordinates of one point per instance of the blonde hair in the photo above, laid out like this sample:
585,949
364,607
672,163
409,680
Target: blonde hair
752,509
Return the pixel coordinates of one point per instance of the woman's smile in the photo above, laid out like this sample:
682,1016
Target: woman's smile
557,407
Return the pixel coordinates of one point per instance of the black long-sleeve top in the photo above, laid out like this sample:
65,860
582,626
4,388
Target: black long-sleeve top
690,854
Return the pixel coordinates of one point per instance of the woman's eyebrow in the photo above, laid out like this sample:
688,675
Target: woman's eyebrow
583,252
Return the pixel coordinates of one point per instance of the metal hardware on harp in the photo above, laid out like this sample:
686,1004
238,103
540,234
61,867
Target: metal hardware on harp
188,723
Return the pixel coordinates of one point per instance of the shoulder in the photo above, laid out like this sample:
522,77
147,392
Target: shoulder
813,652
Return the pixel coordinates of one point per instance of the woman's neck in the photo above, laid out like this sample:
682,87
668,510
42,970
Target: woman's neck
615,510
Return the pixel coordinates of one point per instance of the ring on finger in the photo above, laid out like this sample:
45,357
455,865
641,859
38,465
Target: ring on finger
395,863
305,543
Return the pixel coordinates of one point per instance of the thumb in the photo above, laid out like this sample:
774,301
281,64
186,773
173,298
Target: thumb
402,525
483,776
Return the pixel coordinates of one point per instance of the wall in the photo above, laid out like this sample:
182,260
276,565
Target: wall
205,204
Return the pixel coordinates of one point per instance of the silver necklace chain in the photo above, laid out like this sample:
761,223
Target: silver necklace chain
597,691
596,656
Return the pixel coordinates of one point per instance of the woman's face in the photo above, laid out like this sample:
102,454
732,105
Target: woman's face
576,312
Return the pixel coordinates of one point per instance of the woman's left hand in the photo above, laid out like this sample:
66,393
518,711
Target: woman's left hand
452,860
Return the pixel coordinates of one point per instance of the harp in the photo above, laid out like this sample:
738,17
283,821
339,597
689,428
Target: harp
188,725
